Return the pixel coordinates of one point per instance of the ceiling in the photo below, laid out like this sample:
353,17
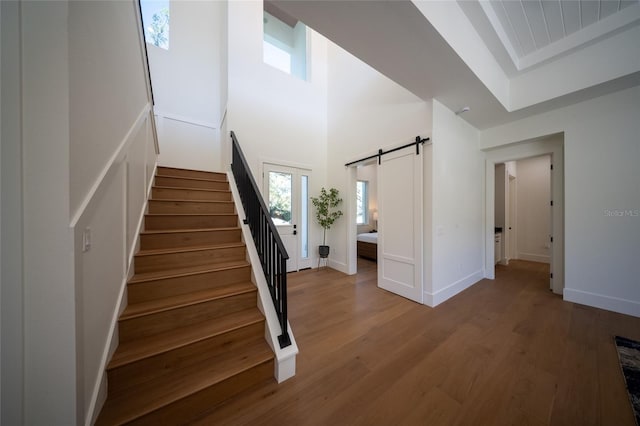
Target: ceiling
467,64
529,29
273,10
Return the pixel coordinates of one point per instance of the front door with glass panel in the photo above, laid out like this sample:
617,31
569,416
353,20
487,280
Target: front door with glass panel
286,191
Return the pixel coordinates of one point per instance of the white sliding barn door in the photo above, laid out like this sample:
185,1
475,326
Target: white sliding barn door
400,224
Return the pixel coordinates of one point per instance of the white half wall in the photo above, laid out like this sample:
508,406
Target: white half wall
457,207
602,201
186,144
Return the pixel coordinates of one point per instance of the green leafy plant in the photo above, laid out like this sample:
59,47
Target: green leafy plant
324,204
159,29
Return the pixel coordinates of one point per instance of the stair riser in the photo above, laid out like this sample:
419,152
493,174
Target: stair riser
160,322
190,183
133,374
186,194
189,239
158,223
158,289
196,174
190,408
164,262
189,207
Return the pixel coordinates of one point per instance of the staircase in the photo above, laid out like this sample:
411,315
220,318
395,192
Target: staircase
191,335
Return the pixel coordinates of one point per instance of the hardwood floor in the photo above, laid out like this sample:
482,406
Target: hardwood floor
503,352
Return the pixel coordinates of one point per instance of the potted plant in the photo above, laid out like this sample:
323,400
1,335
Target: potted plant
326,215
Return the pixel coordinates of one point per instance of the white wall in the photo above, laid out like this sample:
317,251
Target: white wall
457,206
188,87
87,155
533,212
112,157
113,217
11,301
369,173
277,117
49,292
500,195
366,111
601,150
107,89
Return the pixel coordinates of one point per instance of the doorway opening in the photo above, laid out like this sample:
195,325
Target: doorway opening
366,200
522,210
398,219
525,211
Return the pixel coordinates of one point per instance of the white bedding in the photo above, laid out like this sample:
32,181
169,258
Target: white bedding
369,237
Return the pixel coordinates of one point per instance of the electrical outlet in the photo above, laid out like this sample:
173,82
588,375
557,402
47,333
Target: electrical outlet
86,240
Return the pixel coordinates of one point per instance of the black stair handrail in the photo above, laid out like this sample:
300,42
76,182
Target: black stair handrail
273,255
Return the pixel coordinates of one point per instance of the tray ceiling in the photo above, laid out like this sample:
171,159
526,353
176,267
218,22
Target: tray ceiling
533,31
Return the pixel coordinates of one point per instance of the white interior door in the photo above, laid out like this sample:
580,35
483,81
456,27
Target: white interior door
286,195
400,224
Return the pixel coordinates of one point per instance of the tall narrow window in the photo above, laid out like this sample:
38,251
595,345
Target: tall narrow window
284,43
280,197
304,216
155,19
362,202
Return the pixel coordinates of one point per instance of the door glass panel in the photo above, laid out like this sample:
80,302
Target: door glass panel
280,197
304,217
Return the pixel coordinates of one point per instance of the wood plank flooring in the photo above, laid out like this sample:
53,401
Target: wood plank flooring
503,352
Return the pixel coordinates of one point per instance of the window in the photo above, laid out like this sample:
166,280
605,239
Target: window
155,19
362,202
285,46
280,197
277,57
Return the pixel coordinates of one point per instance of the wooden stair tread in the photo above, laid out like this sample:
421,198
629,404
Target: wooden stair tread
188,200
192,178
181,231
157,393
192,270
191,214
165,171
153,252
190,189
136,310
153,345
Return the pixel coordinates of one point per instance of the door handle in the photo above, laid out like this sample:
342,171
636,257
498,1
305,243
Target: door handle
295,226
295,232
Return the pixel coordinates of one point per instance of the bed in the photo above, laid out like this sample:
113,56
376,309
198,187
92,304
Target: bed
368,245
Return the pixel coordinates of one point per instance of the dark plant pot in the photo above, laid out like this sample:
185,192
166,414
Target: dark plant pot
324,251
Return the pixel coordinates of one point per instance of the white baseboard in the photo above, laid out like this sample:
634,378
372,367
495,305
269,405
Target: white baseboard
615,304
534,257
436,298
340,266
